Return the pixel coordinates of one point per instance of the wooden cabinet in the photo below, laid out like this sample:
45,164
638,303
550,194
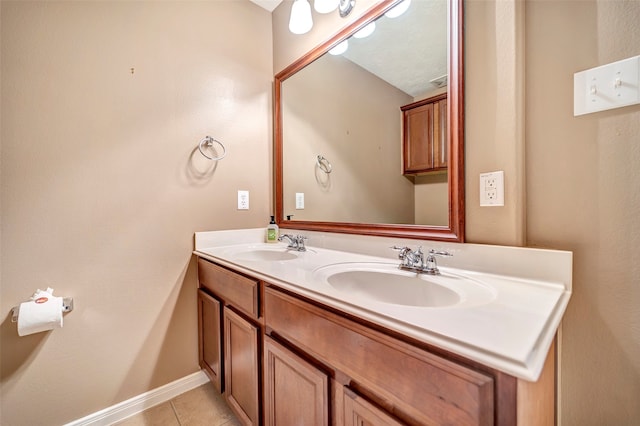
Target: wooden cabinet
282,359
396,380
241,367
230,330
359,412
210,338
424,141
296,392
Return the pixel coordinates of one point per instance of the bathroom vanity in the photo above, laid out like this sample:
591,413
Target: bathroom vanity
288,341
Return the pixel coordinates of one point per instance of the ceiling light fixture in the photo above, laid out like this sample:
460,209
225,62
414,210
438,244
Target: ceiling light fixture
325,6
346,6
398,9
300,20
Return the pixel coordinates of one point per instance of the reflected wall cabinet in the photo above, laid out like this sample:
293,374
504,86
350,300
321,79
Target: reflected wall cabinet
424,140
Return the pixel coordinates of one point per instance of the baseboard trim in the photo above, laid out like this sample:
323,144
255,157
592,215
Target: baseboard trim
139,403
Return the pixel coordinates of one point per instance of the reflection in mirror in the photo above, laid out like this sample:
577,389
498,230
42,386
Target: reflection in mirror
345,109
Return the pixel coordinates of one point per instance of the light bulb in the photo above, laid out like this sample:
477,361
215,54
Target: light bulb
325,6
340,48
300,21
366,31
398,9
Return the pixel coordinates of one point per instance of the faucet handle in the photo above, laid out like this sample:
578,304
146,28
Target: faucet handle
300,242
440,253
431,266
402,251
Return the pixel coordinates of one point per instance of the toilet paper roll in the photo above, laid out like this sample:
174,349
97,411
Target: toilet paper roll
42,313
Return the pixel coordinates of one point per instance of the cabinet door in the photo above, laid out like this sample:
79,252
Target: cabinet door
209,338
440,137
241,367
359,412
418,138
296,393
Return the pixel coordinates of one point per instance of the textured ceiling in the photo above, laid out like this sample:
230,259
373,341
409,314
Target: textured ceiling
407,51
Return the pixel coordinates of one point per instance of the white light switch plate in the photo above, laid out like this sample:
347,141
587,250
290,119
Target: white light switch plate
299,200
492,189
606,87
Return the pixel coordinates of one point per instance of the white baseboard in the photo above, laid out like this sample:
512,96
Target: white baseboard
139,403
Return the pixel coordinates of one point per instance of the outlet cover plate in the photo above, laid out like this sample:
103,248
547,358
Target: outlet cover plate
243,200
492,189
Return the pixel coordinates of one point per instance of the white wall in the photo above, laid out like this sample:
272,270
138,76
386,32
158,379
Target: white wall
103,188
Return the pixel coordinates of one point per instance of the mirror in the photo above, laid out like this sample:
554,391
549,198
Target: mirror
338,129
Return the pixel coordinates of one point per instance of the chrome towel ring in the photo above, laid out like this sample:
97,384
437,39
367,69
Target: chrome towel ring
324,164
208,141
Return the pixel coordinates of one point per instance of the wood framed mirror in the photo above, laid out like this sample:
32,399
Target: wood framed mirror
312,207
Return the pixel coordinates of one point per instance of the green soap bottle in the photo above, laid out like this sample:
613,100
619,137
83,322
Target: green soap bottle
272,231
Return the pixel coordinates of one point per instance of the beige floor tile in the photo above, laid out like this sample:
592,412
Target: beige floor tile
160,415
203,406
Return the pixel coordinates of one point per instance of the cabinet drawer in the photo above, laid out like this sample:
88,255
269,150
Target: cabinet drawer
232,288
412,384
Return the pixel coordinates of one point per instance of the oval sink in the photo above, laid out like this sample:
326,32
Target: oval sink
262,253
396,289
385,283
265,255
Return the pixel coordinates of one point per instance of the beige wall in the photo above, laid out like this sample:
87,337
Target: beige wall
324,115
582,186
583,195
103,188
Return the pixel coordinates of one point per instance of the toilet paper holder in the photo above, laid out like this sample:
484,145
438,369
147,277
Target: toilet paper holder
67,306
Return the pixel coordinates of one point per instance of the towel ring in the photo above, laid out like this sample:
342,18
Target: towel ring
324,164
208,141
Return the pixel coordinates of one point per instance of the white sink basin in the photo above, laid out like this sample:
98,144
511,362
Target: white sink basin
385,283
262,253
266,255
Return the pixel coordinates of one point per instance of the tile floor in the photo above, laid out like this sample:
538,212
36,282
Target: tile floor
202,406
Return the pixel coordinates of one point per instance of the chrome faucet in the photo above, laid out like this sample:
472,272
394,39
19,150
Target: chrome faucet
411,260
295,242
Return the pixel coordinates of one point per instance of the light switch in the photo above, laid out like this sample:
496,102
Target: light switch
606,87
299,200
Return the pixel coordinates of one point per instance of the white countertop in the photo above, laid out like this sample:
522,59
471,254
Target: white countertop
511,331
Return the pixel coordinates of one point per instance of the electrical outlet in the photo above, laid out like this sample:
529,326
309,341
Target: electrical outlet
492,189
299,200
243,200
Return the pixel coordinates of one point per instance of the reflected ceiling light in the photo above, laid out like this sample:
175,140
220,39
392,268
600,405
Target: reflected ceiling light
325,6
366,31
339,49
398,9
300,21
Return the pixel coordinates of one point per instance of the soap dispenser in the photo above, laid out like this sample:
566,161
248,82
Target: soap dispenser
272,231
